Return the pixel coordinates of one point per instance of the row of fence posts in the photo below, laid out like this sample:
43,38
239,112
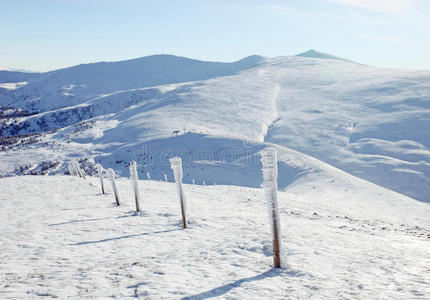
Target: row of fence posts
176,165
270,188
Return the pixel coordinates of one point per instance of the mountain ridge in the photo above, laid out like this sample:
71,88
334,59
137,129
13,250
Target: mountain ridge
322,108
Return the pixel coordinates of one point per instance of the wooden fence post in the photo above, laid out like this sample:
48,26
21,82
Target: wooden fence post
77,168
115,190
100,171
270,186
176,165
71,169
135,183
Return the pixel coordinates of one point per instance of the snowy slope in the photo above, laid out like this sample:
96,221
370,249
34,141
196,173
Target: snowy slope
75,85
16,76
343,238
368,121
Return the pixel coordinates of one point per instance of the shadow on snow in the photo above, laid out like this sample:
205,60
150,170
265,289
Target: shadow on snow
122,237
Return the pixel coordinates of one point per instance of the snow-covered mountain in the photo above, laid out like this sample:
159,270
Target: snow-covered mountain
370,122
349,138
78,84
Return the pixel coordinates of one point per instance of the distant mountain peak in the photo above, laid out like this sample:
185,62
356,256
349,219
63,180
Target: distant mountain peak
316,54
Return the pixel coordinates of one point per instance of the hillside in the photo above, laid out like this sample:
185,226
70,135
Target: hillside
78,84
369,122
343,238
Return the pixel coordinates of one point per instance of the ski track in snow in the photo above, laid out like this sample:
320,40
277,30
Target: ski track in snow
62,238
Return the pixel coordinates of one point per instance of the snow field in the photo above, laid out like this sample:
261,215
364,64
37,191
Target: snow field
62,238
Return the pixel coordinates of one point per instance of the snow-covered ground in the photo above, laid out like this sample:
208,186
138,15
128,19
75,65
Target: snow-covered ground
349,137
343,238
367,121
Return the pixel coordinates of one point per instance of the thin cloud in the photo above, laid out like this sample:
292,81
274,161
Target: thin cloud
388,6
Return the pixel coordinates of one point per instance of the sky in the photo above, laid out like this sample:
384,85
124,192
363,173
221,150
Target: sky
42,35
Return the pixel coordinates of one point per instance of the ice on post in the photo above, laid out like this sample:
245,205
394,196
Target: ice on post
176,165
270,186
135,184
111,175
100,172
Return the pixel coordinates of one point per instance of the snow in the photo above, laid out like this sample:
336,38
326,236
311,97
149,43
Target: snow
91,80
343,238
12,85
349,138
369,122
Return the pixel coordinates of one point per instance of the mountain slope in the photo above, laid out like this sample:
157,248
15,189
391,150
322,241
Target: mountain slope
63,238
369,122
75,85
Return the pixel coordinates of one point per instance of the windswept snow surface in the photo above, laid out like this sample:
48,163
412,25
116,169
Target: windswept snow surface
370,122
343,238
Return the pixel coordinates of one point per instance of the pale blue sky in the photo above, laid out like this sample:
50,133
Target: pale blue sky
45,35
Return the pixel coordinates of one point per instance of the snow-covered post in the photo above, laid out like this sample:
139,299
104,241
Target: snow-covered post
147,175
176,165
71,170
134,181
165,177
270,186
204,183
77,168
115,190
100,171
194,181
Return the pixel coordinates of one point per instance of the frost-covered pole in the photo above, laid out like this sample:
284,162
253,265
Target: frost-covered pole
77,168
147,175
270,186
115,190
71,170
134,181
100,171
176,165
165,177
